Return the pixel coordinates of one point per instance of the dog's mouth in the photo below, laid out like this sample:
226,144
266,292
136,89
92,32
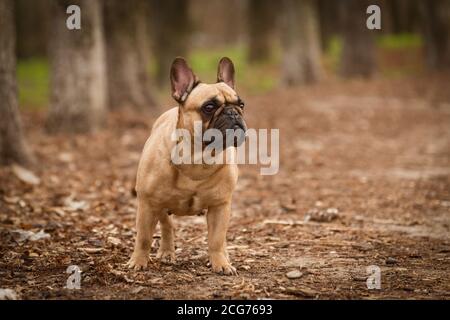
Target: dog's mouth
237,135
232,127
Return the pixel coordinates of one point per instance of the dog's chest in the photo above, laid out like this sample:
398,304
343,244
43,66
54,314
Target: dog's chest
190,197
187,205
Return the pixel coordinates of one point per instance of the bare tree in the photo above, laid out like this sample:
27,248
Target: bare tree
359,51
436,30
260,17
328,21
78,79
31,27
13,148
170,31
403,15
128,54
301,43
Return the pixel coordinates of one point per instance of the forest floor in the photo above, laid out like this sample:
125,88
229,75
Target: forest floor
373,156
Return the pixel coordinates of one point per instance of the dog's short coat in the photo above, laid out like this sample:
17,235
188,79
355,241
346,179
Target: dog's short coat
164,188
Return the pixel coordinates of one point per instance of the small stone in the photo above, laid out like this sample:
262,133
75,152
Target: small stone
295,274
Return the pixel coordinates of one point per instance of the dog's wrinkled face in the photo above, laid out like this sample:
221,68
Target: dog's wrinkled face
216,105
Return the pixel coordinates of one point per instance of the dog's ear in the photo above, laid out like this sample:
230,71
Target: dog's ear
182,79
225,71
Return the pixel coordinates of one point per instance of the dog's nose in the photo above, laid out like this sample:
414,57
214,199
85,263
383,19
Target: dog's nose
231,112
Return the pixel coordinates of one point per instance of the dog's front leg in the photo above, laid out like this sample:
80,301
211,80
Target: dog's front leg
147,218
166,251
218,218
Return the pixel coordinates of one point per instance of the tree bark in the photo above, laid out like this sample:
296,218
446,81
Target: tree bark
171,28
328,21
301,43
260,17
436,32
13,148
78,77
127,53
31,28
358,52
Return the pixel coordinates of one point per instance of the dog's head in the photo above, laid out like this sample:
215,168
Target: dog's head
216,105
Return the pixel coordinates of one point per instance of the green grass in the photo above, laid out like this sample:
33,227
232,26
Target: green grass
399,41
33,82
251,78
390,44
33,74
333,53
255,78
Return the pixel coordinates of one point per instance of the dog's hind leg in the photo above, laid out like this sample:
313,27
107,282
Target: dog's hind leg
147,218
166,251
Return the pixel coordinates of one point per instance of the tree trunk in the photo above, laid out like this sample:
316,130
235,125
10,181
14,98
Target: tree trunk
171,28
301,43
328,21
436,32
260,17
78,79
127,53
31,28
13,148
358,51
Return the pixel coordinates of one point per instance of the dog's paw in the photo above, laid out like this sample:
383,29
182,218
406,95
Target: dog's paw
221,265
166,256
138,261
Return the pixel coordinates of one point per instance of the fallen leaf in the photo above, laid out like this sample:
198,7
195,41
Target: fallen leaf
114,241
304,292
74,205
92,250
284,222
137,290
25,175
23,235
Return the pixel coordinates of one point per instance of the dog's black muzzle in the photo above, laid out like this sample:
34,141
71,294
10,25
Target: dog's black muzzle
232,126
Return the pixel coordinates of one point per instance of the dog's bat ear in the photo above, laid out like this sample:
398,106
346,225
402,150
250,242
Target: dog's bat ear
182,79
225,71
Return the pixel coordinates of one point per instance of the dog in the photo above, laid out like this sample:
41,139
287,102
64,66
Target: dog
164,188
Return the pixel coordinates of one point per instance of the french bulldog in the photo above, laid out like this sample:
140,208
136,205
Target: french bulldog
164,188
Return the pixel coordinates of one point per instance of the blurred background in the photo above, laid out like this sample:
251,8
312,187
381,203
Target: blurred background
364,119
273,44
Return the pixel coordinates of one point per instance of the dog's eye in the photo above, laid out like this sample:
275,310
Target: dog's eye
241,104
208,108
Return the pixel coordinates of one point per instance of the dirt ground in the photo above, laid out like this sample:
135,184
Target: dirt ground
374,157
